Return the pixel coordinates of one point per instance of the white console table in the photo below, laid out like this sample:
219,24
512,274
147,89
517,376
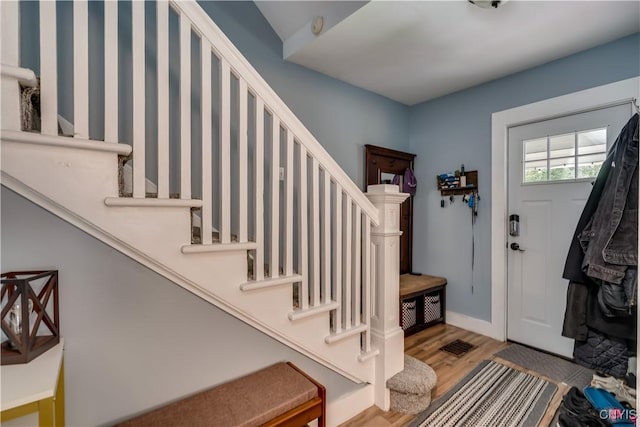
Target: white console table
37,386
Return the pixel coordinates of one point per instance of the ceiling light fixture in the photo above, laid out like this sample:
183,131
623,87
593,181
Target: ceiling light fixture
487,4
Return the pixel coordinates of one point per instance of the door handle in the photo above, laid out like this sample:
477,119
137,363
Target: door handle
516,247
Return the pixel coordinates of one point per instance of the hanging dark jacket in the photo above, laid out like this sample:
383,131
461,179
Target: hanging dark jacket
610,238
581,310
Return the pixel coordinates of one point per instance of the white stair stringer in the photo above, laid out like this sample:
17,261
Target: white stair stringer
72,178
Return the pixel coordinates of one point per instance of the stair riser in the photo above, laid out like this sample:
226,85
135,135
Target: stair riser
54,171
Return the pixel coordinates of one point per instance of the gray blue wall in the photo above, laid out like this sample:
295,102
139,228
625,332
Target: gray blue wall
456,129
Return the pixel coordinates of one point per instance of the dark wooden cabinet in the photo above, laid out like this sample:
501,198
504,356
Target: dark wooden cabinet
378,162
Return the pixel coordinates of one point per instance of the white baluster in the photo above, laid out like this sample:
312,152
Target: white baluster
81,69
207,207
243,192
10,114
288,223
259,186
337,256
275,197
48,68
303,247
315,232
357,265
163,98
185,107
111,70
366,282
225,152
347,260
326,237
10,42
138,58
375,312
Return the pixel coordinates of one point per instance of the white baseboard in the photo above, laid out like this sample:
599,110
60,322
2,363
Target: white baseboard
472,324
349,405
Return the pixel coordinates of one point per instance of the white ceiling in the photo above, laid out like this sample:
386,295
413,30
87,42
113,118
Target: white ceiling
418,50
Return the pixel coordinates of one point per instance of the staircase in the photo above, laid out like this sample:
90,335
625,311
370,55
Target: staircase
221,189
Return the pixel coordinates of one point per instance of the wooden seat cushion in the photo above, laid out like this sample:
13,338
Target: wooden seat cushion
248,401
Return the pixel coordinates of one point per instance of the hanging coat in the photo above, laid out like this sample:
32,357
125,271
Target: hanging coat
605,224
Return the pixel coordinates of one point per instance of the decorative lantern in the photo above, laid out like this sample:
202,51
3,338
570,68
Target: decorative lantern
30,323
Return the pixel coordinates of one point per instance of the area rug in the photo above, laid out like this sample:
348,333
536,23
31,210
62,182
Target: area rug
556,368
492,394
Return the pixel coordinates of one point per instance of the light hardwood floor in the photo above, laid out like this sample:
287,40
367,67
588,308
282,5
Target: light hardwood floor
425,346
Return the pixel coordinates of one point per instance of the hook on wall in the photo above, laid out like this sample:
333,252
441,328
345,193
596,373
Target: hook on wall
467,199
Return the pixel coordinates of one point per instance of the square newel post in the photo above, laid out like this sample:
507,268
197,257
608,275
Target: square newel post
386,334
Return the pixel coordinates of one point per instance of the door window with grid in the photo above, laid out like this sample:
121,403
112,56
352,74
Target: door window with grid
565,157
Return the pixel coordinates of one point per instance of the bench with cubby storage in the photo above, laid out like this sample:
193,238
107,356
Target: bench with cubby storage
422,302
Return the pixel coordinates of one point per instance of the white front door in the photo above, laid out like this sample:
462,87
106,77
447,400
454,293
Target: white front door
548,192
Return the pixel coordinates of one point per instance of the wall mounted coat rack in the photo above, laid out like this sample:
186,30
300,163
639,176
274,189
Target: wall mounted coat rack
448,189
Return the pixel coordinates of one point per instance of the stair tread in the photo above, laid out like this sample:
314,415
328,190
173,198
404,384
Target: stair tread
307,312
150,202
193,248
273,279
345,333
270,281
29,137
151,195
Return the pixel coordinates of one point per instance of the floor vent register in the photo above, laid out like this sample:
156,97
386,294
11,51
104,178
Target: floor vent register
458,348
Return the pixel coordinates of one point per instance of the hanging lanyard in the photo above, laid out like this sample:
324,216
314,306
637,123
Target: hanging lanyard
473,204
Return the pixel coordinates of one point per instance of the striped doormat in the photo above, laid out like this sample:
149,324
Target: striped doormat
491,395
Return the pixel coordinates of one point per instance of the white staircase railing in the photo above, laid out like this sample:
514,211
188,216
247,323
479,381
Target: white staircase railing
205,125
315,203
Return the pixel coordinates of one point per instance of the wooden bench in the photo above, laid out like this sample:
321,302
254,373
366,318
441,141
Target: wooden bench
417,290
279,395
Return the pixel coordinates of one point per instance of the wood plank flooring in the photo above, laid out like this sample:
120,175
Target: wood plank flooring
425,346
